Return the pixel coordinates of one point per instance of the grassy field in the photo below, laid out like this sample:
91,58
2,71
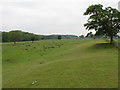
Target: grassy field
77,63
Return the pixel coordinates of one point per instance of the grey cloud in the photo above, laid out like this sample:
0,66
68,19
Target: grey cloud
48,16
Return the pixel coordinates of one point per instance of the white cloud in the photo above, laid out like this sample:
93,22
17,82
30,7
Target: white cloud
48,16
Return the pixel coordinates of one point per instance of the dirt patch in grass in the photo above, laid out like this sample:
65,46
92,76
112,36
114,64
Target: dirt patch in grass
9,60
40,63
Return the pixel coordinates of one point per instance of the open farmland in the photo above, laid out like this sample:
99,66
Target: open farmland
74,63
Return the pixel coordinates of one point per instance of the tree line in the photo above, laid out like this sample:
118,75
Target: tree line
18,35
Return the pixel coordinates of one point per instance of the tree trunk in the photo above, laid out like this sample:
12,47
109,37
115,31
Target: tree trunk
111,39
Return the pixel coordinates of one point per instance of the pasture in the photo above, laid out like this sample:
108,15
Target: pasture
72,63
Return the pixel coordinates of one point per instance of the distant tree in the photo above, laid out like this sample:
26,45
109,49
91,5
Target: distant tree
15,36
103,21
26,36
5,37
82,36
32,38
59,37
43,38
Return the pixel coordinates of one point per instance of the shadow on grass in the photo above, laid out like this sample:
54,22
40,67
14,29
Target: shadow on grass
11,44
104,46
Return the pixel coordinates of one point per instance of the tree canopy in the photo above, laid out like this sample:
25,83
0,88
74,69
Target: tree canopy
18,35
105,21
90,35
15,36
59,37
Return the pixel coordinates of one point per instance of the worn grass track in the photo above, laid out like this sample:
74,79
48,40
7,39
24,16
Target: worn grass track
74,63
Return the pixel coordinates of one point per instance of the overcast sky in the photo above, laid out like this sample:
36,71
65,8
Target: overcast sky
47,16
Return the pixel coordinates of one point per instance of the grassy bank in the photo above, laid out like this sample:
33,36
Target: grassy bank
84,63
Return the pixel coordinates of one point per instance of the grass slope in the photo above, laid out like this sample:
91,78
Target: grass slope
60,64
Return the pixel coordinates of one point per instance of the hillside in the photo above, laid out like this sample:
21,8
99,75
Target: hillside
74,63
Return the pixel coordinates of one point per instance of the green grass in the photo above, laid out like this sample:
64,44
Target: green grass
77,63
117,40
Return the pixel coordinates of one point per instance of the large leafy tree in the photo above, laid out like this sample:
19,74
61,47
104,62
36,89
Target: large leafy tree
104,21
15,36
